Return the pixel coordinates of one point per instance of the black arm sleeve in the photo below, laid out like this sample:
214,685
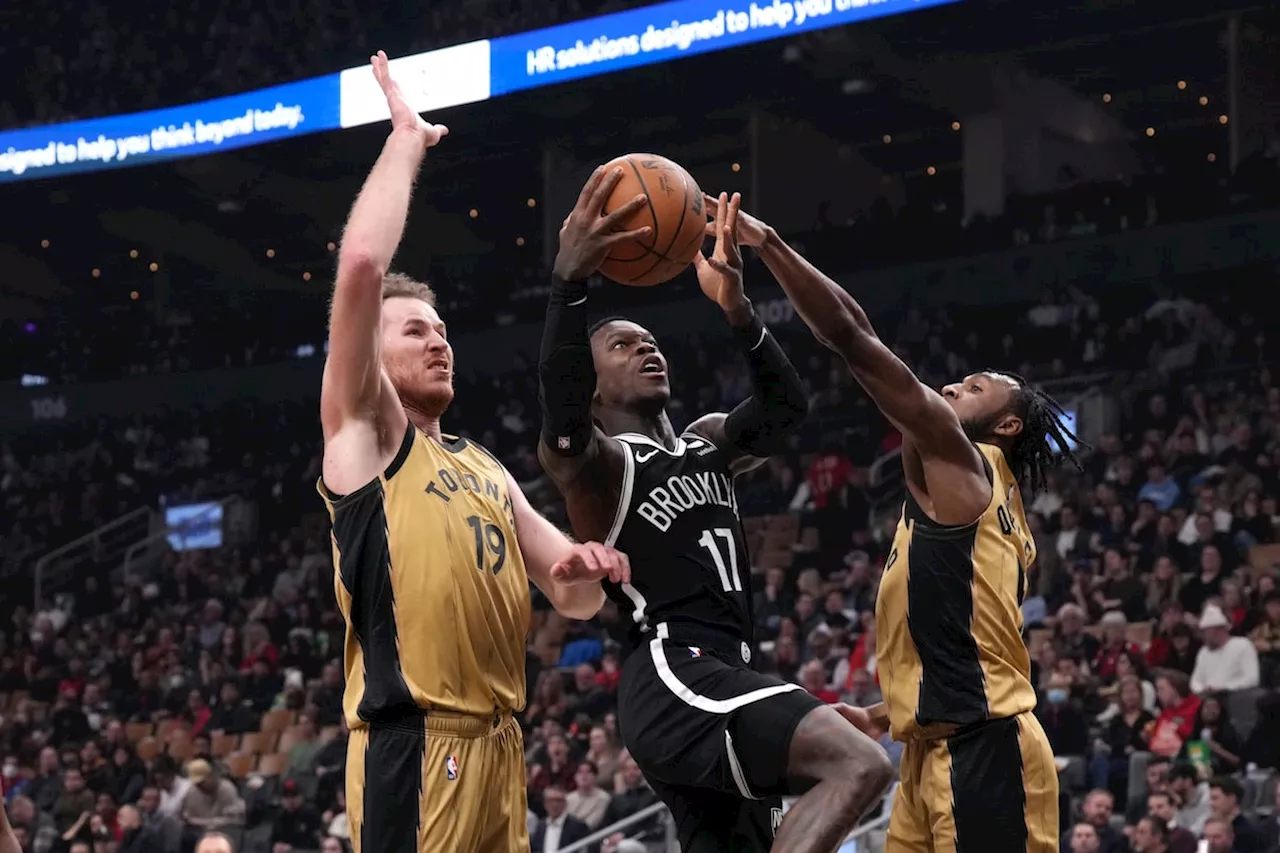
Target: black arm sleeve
566,372
778,405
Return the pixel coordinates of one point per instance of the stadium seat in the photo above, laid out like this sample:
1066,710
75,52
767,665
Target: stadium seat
274,764
259,743
277,721
135,732
239,764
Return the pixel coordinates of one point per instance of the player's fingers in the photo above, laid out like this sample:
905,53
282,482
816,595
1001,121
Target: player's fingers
589,187
622,236
721,209
731,218
588,559
722,267
611,561
600,196
624,566
613,218
710,202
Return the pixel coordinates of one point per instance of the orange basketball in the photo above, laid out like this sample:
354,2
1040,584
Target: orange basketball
675,212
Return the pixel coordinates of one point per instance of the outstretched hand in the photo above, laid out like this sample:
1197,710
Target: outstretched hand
751,231
403,116
588,232
591,562
720,273
872,722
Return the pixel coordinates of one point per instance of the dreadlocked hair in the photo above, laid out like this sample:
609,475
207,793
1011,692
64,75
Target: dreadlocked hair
1045,441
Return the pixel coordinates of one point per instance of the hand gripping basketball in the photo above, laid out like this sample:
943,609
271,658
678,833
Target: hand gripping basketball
587,234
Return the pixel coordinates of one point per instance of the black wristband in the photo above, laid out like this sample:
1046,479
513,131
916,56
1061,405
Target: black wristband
564,292
751,335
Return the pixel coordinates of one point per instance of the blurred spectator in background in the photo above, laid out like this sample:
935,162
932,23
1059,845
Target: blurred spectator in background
1224,662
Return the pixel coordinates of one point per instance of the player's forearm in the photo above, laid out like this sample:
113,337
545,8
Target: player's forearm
543,545
577,601
834,316
566,372
778,404
377,218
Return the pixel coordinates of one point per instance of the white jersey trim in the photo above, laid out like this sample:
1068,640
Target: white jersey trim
695,700
735,768
639,613
637,438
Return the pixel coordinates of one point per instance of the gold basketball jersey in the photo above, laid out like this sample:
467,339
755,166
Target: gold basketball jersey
430,580
949,646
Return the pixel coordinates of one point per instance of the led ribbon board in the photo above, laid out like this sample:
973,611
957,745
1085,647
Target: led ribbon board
434,80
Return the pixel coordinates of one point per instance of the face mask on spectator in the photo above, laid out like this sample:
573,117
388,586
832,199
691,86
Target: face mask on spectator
1057,696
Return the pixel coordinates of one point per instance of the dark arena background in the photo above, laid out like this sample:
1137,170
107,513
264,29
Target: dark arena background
1085,192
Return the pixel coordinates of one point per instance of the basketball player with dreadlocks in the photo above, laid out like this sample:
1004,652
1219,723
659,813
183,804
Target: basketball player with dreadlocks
977,772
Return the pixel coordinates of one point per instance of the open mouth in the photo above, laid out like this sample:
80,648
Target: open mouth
652,366
438,364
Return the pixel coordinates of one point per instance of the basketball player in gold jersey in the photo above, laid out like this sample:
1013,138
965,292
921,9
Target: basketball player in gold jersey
977,772
434,547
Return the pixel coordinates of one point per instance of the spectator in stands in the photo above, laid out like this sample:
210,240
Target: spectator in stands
1224,663
1178,710
1193,797
1062,720
74,806
814,679
1220,837
333,845
211,803
1160,805
557,828
1083,838
1151,835
1266,639
1115,644
1205,584
604,752
39,826
214,842
47,784
1071,640
306,746
1125,735
1096,812
1160,489
1219,735
1225,795
135,835
587,801
1269,827
297,826
589,698
558,768
230,716
172,787
630,795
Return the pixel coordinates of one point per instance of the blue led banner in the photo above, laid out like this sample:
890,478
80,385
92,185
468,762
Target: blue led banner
667,31
266,115
434,80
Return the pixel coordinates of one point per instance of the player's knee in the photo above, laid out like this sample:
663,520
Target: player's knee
826,747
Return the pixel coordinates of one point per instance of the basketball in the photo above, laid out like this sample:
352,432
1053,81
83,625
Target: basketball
675,212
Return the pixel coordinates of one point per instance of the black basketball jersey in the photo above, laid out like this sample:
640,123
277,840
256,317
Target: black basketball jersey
678,522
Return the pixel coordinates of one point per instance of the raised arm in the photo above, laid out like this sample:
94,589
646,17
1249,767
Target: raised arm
927,422
758,426
568,573
570,443
354,388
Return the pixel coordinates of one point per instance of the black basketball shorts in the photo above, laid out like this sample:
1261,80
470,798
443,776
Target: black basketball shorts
711,736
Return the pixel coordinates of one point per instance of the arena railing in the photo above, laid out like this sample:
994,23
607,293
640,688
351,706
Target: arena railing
111,539
878,823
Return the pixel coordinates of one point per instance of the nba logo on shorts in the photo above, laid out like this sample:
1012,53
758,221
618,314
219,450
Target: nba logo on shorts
451,768
775,819
696,652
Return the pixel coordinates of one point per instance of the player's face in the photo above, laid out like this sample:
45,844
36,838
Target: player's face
416,354
629,368
981,402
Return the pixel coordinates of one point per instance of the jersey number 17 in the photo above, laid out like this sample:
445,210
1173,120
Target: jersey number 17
730,581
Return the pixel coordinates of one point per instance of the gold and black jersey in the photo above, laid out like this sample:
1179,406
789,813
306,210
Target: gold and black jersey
430,580
949,647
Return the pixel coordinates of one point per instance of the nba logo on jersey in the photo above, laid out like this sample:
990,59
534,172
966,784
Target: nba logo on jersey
696,652
451,768
775,819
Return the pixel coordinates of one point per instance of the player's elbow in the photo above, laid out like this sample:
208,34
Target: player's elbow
581,602
357,266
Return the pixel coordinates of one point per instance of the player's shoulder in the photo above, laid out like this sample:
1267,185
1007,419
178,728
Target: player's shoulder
469,449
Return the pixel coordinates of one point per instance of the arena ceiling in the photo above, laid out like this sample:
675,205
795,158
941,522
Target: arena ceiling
211,221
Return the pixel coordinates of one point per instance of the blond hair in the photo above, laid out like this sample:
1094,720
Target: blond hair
397,284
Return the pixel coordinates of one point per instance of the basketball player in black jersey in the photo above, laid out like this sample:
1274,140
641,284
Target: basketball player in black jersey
719,743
